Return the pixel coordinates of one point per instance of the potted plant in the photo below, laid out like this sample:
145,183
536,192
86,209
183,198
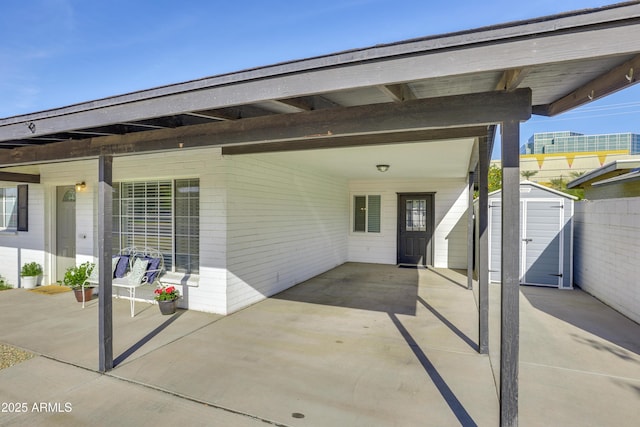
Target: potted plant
31,273
167,297
75,277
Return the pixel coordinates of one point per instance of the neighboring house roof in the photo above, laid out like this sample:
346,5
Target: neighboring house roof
609,173
634,175
376,95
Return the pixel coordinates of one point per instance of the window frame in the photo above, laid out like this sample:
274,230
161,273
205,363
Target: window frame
121,217
11,217
353,221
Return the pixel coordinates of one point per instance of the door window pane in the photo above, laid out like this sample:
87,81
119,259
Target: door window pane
416,215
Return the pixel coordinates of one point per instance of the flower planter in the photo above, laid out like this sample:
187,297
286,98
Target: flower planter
29,282
88,294
167,307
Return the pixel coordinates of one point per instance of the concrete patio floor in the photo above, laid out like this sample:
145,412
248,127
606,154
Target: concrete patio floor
360,345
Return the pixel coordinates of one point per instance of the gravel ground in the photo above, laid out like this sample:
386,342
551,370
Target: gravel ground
10,356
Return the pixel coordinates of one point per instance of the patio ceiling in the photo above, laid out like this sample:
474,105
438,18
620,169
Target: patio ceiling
566,60
433,160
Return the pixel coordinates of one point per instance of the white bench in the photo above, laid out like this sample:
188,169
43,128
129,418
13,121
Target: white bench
132,268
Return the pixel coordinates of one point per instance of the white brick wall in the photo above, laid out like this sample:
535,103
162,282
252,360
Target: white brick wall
606,257
450,236
285,225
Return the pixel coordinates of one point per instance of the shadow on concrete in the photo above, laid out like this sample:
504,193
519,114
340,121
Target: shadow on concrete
131,350
449,325
583,311
462,285
447,394
365,287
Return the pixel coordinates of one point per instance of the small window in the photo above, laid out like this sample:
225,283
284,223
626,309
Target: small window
8,208
366,214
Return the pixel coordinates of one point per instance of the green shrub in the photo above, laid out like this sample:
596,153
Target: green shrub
31,269
74,277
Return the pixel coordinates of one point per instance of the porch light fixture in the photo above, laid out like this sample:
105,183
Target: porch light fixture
81,186
382,168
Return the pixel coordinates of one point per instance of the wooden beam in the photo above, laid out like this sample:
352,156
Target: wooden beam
510,286
19,177
479,109
105,221
511,79
484,159
470,239
309,103
398,92
326,142
622,76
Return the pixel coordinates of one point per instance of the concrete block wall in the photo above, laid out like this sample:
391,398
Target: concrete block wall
606,257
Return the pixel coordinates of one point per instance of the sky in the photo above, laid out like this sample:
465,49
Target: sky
55,53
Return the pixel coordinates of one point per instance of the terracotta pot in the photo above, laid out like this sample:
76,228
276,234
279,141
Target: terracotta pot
167,307
88,294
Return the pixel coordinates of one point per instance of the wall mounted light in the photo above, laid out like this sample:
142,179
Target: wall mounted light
81,186
382,168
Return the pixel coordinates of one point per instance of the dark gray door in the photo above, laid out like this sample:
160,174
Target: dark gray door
415,229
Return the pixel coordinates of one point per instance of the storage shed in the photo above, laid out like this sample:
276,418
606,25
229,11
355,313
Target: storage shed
546,231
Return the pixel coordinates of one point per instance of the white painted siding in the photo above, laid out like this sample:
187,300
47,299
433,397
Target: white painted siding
606,258
450,235
206,164
21,247
285,225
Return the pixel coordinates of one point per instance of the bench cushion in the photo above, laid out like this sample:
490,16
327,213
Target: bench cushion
122,267
154,265
138,270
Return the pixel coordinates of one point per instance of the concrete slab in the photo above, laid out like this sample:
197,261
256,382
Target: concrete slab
361,345
51,393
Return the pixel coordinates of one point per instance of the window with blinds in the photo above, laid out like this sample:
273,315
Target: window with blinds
8,208
162,215
366,213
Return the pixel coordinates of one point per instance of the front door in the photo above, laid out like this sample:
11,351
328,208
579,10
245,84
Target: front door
415,229
65,229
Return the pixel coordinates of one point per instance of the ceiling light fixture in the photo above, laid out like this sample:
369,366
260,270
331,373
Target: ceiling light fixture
382,168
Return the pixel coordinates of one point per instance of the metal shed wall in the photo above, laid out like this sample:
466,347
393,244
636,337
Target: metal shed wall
546,229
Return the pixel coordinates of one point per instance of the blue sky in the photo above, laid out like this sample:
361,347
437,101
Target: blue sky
60,52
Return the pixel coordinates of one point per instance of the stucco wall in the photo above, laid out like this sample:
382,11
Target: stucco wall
285,225
450,235
606,264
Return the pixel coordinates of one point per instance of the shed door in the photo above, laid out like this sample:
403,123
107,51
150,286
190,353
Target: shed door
542,246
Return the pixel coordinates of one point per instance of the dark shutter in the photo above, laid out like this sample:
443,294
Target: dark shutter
23,207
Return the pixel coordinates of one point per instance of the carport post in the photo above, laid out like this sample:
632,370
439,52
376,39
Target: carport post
470,236
510,322
483,246
105,218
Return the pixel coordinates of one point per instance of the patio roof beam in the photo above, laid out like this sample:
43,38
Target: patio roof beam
19,177
478,109
622,76
357,140
398,92
511,79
